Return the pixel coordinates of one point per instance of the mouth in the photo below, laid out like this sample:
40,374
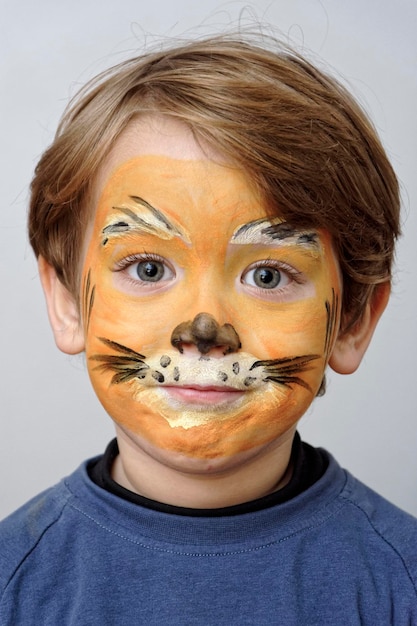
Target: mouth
203,395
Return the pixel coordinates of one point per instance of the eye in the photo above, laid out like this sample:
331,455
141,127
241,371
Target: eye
149,271
145,268
266,276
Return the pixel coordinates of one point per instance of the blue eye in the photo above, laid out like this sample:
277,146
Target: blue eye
265,277
151,271
148,270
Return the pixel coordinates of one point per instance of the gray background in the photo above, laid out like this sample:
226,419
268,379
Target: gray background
50,419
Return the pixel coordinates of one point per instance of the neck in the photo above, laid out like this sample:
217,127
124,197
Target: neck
216,484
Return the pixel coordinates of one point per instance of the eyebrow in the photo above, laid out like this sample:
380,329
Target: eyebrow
156,223
264,231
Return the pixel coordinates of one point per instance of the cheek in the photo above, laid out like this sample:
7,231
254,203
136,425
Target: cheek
109,313
112,320
296,328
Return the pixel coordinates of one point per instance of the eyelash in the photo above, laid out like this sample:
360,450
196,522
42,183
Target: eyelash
137,258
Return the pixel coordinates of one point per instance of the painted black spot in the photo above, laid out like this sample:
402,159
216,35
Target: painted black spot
165,360
176,373
249,380
158,376
141,376
236,368
222,376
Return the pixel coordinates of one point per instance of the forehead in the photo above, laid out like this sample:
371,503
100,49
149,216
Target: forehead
158,186
157,135
159,160
158,170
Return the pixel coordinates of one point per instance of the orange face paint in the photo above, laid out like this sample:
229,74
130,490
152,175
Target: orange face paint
173,238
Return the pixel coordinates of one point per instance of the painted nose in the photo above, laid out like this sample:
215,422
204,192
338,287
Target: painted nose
206,334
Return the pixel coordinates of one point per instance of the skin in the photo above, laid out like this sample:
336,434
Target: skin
200,220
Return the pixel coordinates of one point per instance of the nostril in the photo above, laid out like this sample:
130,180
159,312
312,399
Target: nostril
230,338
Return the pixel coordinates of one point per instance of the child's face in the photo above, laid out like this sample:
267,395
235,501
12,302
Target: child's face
177,234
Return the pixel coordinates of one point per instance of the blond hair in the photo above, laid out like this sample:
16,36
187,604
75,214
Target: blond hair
297,132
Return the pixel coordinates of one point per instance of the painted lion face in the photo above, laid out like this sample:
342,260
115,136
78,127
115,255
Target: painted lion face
208,325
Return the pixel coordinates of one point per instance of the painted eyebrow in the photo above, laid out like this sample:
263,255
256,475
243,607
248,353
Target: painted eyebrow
158,223
263,231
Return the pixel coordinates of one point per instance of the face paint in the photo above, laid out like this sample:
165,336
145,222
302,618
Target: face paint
174,239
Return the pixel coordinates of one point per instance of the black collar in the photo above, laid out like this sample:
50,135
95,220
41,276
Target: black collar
309,464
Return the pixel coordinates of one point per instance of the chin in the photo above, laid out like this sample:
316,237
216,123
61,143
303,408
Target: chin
199,462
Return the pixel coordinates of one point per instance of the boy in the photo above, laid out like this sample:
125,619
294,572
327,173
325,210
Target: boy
214,225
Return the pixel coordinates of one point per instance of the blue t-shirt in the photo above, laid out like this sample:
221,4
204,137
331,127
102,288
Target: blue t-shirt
335,554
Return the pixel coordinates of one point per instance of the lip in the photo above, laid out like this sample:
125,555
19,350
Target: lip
204,395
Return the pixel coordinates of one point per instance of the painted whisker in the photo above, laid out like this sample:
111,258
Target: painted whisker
239,372
282,371
125,367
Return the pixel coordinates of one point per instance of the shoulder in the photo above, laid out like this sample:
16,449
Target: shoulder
391,529
21,531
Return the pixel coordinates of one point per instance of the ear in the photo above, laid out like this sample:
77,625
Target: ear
350,347
63,312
